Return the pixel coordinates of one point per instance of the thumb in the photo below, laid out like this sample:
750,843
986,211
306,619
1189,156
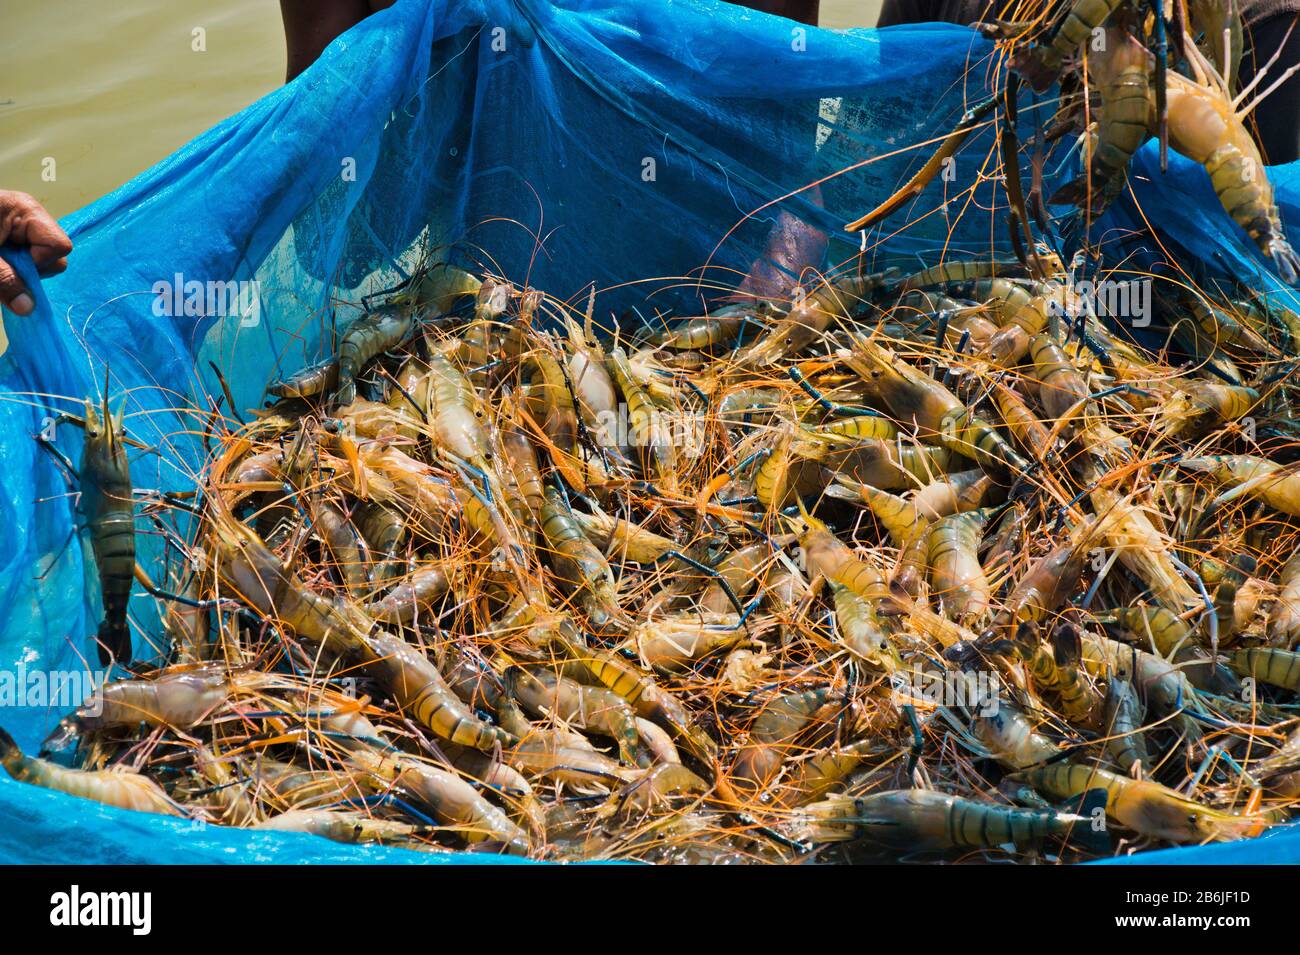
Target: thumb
13,293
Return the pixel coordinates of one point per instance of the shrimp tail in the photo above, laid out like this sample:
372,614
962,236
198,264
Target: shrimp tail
346,393
11,757
63,737
1284,259
1073,193
114,641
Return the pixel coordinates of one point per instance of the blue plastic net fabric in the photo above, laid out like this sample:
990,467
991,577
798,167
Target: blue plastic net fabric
563,143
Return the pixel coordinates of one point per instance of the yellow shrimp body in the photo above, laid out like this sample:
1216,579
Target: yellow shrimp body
642,419
772,736
1061,389
1023,424
1253,477
1059,673
113,787
827,555
1204,127
416,685
1080,20
1121,72
453,410
404,600
1142,547
646,698
1197,407
525,476
578,559
179,697
957,577
624,539
106,505
960,272
339,826
814,776
1143,806
863,634
1272,665
720,327
914,397
368,336
671,644
1011,739
1011,343
583,707
453,800
952,494
1044,586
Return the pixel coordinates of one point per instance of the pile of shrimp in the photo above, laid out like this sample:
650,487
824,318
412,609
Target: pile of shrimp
931,566
964,564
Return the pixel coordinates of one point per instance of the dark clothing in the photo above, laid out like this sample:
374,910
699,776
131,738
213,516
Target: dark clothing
895,12
1276,120
805,11
1257,11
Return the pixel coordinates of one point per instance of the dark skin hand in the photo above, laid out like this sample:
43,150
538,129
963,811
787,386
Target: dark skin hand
311,25
25,223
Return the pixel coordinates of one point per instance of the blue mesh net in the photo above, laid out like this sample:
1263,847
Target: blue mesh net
563,142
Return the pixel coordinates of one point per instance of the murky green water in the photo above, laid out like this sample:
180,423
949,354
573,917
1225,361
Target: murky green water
95,92
849,13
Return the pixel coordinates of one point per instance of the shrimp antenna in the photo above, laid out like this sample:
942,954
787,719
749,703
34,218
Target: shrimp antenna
1190,52
107,425
1206,71
1291,71
1227,42
1245,111
1263,70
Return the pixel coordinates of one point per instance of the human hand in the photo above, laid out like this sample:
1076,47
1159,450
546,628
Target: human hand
25,223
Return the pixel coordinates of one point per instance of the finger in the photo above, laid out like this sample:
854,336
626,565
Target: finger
24,221
45,256
12,291
47,240
54,268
